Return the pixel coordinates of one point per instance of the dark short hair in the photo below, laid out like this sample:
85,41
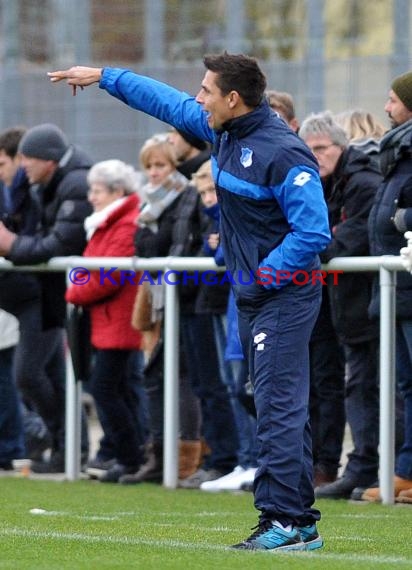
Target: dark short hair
238,72
10,139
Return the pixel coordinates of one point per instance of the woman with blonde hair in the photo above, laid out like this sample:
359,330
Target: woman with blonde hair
362,128
163,232
171,223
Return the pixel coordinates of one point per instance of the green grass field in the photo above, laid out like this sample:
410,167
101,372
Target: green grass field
90,525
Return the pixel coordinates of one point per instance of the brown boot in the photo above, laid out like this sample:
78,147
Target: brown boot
373,494
189,457
405,496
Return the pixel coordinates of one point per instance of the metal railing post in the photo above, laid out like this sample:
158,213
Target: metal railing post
73,422
73,416
387,282
171,383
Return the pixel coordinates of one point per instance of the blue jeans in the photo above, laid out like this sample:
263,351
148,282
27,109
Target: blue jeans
245,418
11,424
232,373
189,406
279,368
218,422
404,382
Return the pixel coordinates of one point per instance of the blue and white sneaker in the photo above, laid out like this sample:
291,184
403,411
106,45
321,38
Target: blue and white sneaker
310,536
268,536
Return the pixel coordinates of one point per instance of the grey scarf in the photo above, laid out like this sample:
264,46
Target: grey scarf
158,198
394,145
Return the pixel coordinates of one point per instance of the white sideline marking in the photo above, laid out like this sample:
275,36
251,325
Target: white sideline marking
44,513
114,517
138,513
75,536
190,546
364,516
119,515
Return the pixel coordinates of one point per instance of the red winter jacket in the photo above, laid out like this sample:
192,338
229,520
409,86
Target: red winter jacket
111,304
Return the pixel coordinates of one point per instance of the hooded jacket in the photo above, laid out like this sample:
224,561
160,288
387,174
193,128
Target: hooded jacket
273,214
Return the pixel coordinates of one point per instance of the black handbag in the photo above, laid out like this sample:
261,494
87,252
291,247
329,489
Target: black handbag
78,338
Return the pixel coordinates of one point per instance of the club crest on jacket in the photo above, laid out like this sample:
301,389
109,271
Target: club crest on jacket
246,157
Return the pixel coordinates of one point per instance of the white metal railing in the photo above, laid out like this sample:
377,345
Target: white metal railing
386,265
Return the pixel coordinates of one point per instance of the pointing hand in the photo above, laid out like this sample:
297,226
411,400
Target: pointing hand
77,76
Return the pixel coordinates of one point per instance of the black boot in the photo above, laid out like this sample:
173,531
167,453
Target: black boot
151,471
116,472
54,465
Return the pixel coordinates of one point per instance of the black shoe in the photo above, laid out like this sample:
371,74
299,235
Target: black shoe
150,472
357,492
339,489
35,447
96,468
118,470
37,437
6,466
54,465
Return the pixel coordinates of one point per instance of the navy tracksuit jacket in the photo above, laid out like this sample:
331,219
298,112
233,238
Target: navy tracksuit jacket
273,223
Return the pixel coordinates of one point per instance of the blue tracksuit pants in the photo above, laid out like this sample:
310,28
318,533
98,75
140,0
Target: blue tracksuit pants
276,338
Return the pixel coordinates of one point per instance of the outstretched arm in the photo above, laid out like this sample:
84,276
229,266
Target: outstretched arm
77,76
142,93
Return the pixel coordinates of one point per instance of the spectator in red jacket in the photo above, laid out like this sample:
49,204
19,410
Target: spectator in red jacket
109,298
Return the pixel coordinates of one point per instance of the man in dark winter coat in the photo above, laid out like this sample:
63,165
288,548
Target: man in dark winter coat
390,218
350,180
57,172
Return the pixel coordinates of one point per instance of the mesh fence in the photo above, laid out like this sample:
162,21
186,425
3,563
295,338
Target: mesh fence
334,54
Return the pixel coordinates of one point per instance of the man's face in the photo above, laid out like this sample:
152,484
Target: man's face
326,152
8,167
396,110
213,102
182,147
38,171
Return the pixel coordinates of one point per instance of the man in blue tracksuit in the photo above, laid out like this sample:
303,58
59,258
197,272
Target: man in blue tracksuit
274,222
